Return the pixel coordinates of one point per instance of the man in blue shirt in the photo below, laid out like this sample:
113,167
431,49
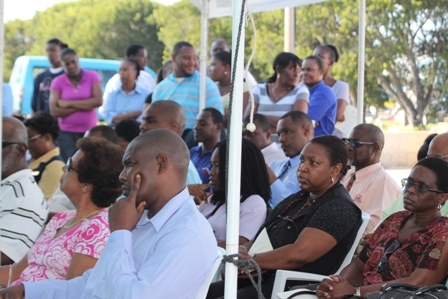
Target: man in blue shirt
207,130
182,85
157,234
295,130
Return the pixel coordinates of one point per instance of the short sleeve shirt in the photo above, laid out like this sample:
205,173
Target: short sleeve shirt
80,121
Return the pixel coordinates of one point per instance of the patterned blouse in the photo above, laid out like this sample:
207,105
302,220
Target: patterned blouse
50,257
422,249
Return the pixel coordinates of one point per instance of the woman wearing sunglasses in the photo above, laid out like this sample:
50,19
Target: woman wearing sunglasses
73,240
312,230
408,246
43,130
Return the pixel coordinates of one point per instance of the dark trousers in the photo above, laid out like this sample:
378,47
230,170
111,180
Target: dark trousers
67,143
245,290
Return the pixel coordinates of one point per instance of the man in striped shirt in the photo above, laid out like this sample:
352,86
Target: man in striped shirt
23,209
182,85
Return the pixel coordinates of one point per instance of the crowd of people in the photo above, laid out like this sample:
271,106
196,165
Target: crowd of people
121,208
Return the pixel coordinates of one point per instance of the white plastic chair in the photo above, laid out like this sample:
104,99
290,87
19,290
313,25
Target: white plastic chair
281,276
211,277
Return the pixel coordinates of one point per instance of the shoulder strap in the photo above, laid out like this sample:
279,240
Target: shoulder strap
37,172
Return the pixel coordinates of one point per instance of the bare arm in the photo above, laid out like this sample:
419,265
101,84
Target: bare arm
311,244
5,260
300,105
79,264
17,269
341,109
55,110
95,101
119,117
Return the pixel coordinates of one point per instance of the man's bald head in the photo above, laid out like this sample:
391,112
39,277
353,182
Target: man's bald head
161,158
374,133
163,114
219,45
14,153
439,146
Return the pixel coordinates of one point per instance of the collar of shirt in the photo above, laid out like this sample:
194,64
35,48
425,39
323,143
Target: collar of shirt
159,219
66,80
17,176
138,89
311,89
44,158
198,149
295,161
193,77
366,171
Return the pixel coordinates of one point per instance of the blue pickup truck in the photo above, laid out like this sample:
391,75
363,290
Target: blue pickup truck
26,68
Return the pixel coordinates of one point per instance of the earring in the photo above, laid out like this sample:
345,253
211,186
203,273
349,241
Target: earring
225,72
332,180
439,206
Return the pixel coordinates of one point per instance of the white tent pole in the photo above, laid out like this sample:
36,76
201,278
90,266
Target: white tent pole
289,31
2,42
361,58
203,57
234,163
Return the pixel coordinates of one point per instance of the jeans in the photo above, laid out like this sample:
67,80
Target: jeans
67,143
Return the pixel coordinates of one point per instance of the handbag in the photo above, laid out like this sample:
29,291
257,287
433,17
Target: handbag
407,291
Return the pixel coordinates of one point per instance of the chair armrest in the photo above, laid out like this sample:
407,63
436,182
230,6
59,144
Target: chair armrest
281,276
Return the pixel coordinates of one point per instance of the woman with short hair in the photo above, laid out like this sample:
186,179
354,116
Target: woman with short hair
73,240
43,131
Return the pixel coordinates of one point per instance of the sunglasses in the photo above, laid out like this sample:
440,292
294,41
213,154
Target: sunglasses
422,189
383,264
7,143
69,165
355,142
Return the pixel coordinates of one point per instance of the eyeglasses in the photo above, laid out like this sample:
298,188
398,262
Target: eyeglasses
383,264
422,189
7,143
34,138
355,142
69,166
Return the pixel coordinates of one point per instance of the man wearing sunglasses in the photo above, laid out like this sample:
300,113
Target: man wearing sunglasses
368,183
23,209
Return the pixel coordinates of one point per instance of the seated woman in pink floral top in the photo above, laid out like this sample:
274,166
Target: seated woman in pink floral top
409,246
73,241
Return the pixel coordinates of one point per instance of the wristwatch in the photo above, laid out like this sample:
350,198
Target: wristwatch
358,292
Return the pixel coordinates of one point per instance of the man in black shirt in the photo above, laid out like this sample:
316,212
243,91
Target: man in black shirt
42,82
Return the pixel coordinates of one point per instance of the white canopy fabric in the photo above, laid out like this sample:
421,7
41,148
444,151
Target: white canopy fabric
223,8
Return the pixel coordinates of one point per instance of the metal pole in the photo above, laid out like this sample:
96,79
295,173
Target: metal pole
203,58
361,58
2,42
290,28
234,163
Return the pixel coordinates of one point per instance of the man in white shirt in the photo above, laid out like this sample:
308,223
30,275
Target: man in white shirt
261,136
160,245
144,80
23,208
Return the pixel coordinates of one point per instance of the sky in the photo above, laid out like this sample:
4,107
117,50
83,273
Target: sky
26,9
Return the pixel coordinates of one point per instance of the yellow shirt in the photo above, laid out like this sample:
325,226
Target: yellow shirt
52,173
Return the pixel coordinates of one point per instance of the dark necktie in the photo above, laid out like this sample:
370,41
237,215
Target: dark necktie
350,182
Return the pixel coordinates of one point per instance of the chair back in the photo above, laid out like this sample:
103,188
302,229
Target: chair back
351,253
205,286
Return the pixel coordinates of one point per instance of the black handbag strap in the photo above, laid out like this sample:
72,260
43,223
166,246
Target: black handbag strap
431,288
301,292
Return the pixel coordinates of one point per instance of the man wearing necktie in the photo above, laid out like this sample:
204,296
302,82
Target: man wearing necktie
294,129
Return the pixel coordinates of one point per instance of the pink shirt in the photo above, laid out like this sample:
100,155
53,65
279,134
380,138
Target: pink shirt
50,257
80,121
372,191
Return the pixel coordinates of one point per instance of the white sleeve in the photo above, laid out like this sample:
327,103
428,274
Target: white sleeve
252,216
343,92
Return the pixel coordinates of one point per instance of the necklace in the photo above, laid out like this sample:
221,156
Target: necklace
307,204
274,92
88,216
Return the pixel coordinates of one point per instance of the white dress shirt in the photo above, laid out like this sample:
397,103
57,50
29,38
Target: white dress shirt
167,256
